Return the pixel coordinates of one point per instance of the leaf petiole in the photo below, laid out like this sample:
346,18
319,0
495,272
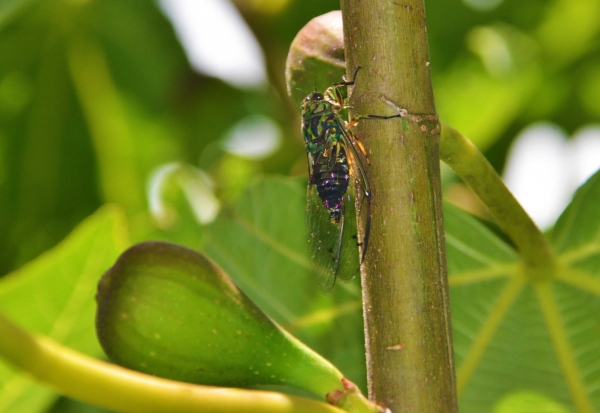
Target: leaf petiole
472,167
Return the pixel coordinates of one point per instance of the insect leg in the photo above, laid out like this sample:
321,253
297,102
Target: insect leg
350,83
312,160
400,113
334,94
356,142
349,143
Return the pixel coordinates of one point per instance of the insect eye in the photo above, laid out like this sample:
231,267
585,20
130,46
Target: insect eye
317,96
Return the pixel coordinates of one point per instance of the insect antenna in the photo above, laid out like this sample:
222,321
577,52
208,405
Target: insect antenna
303,92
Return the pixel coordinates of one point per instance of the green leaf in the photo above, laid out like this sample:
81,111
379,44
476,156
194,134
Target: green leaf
496,325
258,244
579,225
53,296
79,124
10,8
515,330
528,402
66,405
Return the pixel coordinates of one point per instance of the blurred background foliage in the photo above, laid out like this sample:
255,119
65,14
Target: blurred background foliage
99,104
97,96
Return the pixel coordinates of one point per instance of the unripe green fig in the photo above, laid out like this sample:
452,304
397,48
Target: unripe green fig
171,312
316,58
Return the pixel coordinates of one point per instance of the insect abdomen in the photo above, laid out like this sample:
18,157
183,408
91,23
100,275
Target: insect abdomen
332,184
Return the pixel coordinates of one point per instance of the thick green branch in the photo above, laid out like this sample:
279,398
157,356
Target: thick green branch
472,167
408,332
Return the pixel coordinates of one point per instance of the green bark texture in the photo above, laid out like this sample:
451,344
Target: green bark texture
410,360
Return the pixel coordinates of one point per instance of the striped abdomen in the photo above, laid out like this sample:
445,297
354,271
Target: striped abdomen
332,183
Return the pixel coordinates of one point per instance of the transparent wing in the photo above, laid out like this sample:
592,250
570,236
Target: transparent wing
349,265
324,238
357,160
333,246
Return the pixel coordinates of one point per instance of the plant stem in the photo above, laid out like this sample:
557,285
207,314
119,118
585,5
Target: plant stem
122,390
472,167
410,361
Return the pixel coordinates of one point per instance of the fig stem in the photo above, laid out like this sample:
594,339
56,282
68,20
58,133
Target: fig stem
119,389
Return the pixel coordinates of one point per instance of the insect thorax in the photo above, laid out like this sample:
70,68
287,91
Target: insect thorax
321,131
335,97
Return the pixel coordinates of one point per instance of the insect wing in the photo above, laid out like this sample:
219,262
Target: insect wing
333,246
361,188
349,265
323,240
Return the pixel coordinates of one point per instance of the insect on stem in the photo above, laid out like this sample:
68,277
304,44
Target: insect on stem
336,169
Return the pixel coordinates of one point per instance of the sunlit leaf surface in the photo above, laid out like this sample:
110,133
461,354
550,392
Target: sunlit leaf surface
54,296
514,330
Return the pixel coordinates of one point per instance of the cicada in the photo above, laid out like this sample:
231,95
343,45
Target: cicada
336,173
